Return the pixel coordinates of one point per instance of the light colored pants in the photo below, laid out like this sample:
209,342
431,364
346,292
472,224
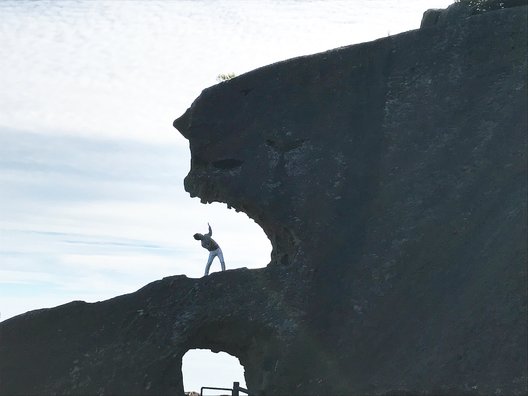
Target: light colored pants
212,255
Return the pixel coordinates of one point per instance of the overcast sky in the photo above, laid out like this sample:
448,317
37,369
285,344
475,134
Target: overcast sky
92,202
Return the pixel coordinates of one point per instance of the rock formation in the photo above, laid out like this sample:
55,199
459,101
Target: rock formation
391,179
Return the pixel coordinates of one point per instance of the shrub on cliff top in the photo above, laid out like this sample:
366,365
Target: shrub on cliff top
225,76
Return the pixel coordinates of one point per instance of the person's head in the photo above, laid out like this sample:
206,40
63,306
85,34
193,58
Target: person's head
198,236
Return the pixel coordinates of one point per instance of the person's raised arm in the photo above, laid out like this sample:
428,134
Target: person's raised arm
210,233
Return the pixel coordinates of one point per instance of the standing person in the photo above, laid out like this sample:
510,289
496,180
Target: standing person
214,250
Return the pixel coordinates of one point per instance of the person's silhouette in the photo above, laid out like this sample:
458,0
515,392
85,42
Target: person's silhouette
213,248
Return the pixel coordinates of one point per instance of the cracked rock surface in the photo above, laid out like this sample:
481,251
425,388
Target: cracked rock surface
390,178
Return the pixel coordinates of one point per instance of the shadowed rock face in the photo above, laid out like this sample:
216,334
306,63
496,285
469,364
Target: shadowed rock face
390,178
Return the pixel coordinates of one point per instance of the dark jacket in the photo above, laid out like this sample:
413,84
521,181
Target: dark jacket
208,242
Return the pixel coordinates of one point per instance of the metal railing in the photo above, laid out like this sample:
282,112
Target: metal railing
235,391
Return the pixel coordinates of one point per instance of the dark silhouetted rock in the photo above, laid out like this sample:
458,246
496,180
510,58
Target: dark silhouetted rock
458,11
391,179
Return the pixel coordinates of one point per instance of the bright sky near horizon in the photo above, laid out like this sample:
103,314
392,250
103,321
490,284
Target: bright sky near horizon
91,201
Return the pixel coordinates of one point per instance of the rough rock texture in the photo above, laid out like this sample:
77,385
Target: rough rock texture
462,9
391,179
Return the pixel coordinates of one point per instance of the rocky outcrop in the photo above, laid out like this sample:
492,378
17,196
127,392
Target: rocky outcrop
390,178
462,9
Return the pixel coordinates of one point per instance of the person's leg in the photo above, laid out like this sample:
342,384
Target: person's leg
209,261
221,257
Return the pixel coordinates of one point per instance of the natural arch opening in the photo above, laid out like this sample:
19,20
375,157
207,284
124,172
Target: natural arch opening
244,243
202,367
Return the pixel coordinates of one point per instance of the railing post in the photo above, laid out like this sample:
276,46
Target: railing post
236,389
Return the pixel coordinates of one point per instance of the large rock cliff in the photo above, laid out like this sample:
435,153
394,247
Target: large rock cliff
391,179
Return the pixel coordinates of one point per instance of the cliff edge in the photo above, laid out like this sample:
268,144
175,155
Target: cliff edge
391,180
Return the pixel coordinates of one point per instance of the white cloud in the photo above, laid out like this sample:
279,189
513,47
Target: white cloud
24,277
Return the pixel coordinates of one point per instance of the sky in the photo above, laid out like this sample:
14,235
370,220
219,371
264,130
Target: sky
92,203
